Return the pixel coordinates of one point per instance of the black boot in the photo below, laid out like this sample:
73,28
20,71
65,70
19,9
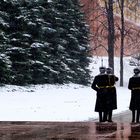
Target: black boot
100,117
110,116
105,116
133,116
138,116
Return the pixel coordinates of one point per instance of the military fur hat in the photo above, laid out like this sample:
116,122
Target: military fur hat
136,69
102,67
109,69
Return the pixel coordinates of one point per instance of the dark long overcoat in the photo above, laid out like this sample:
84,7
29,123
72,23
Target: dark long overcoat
99,84
106,92
111,94
134,86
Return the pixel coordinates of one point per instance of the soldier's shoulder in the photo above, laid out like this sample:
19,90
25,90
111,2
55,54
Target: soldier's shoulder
102,75
131,78
137,77
96,76
134,77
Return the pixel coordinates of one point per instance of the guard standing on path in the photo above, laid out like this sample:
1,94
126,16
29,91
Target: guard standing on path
99,85
111,94
134,86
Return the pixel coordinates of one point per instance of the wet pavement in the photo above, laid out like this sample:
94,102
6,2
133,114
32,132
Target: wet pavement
120,129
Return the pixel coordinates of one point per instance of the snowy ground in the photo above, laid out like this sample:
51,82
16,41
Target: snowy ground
59,103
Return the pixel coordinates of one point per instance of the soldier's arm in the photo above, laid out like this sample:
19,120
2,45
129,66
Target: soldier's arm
94,84
130,84
116,78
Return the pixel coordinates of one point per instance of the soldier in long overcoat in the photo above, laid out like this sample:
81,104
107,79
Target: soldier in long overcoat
99,85
134,86
111,94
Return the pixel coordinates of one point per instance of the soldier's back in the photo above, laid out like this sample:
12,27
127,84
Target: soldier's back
135,82
101,80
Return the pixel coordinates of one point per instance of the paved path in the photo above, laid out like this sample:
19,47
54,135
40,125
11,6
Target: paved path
123,117
121,129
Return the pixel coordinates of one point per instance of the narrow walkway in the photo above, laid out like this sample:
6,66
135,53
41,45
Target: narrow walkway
121,129
124,117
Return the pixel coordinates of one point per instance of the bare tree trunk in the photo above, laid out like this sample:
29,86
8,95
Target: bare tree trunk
121,5
111,32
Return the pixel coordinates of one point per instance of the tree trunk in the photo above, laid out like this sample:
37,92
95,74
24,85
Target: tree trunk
111,36
122,42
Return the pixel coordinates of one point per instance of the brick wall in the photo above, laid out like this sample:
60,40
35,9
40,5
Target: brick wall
96,18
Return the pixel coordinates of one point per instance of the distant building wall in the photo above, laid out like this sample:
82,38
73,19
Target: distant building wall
96,18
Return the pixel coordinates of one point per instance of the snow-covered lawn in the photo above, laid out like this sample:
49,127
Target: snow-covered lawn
59,103
53,103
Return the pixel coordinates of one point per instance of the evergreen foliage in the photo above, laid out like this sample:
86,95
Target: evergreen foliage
43,42
135,60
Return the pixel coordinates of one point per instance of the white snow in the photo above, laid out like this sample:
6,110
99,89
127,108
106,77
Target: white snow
69,102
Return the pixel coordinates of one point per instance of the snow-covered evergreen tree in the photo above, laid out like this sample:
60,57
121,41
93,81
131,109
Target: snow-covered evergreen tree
45,41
